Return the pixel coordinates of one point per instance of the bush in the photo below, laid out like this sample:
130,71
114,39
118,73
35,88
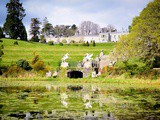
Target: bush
72,41
14,71
15,43
75,44
64,41
87,43
35,39
1,53
50,43
60,44
39,66
94,43
1,40
35,59
2,47
43,40
81,41
24,64
84,44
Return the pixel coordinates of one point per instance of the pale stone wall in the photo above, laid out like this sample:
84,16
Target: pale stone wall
101,38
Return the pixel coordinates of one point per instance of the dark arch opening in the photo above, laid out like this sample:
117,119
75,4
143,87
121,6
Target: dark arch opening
75,74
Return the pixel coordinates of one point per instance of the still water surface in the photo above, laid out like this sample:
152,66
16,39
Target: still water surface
79,102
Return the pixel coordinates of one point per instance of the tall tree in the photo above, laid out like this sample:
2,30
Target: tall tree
88,28
13,25
35,29
144,38
109,28
47,28
1,33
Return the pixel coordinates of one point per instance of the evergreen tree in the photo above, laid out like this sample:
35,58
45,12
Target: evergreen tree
87,44
94,43
47,28
35,29
13,25
1,33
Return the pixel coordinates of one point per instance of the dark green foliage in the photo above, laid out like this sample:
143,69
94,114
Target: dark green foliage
87,43
131,70
15,43
50,43
13,25
1,33
2,47
83,44
34,39
94,43
47,28
1,41
65,30
74,27
42,39
1,52
60,44
35,29
24,64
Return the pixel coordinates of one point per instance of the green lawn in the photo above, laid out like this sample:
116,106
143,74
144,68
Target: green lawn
47,53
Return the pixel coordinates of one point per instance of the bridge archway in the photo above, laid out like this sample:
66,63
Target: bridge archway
75,74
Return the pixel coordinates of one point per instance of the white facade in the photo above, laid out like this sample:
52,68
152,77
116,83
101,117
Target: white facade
101,38
112,36
91,38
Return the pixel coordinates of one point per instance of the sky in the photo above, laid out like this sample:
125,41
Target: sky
119,13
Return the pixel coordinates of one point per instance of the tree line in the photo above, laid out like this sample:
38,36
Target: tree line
143,42
15,29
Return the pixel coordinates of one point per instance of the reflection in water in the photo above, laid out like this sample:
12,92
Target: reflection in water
78,103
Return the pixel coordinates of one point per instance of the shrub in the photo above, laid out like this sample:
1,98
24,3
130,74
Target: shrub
60,44
75,44
39,66
81,41
72,41
83,44
14,71
15,43
24,64
35,39
1,40
1,53
64,41
87,43
94,43
50,43
43,40
35,59
2,47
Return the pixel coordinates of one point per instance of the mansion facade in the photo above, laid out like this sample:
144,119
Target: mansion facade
101,38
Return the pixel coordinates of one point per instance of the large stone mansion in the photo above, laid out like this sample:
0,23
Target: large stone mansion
101,38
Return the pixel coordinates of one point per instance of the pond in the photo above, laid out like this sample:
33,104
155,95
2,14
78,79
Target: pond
79,102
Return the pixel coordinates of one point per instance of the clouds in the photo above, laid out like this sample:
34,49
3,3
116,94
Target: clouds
117,12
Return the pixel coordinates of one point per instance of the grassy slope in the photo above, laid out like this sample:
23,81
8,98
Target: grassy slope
48,54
